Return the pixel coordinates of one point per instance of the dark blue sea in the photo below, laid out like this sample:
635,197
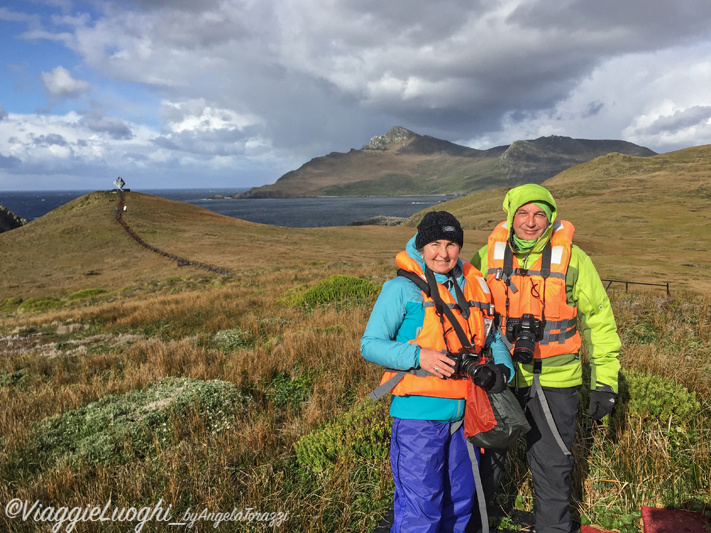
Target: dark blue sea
288,212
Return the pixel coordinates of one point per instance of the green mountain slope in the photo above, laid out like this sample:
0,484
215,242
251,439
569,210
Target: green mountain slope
403,162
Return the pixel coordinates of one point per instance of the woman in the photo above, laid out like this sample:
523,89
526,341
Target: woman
416,324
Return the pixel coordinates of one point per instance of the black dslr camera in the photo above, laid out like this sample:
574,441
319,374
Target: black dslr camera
466,363
524,333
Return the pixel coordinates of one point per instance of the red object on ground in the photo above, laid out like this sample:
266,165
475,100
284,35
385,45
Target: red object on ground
669,520
590,529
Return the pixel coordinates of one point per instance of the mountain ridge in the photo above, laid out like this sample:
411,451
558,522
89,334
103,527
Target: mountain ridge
404,162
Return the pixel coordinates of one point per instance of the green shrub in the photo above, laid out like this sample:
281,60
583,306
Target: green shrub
85,293
336,288
229,340
660,401
362,433
118,427
286,392
10,304
38,303
655,456
9,379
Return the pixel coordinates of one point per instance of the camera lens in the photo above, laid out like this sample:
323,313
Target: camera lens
483,376
524,348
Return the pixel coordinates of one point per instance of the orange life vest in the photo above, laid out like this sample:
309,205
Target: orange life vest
441,336
528,291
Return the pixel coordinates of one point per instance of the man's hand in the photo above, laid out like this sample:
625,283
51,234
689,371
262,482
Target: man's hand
601,403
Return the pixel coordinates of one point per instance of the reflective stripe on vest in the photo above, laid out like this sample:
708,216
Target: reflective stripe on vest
560,334
419,382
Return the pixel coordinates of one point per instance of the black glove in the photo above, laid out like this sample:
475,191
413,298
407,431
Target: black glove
601,403
492,378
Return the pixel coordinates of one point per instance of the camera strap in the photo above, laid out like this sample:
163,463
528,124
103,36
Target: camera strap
444,310
545,272
538,392
430,288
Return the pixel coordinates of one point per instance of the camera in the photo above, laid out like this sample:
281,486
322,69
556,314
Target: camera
524,333
466,363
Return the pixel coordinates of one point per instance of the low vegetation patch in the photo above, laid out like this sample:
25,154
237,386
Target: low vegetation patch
138,424
337,288
229,340
10,304
85,294
287,392
655,450
362,433
39,303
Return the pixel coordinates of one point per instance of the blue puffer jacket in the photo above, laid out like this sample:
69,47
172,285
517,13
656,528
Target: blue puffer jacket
397,318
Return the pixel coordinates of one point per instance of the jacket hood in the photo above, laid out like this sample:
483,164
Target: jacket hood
524,194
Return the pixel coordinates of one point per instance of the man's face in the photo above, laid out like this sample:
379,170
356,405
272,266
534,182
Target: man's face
529,222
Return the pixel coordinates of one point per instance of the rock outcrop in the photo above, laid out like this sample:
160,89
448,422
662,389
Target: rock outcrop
9,220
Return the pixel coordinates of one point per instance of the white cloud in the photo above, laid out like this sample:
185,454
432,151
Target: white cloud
60,85
196,115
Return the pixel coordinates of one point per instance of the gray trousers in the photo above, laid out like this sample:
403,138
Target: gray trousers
550,468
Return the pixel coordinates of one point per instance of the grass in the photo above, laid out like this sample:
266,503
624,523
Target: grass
306,443
282,334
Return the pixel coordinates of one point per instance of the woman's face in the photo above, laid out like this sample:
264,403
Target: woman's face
441,256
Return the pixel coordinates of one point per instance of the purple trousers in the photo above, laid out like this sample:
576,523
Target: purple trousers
434,483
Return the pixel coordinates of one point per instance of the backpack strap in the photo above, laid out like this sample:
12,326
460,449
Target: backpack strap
417,280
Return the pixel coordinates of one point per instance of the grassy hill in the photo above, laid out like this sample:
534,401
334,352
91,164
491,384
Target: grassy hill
403,162
80,245
639,218
129,378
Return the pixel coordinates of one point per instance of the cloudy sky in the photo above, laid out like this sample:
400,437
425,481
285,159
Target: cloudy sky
235,93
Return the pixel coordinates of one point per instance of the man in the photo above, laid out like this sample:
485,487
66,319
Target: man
549,298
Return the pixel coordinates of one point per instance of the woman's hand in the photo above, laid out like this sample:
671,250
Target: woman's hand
436,363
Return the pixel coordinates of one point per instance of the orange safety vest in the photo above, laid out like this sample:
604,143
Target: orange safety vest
528,291
441,336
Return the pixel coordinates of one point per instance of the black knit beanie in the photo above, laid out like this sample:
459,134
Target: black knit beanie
437,225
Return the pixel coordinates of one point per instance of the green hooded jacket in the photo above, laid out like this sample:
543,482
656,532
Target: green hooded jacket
596,322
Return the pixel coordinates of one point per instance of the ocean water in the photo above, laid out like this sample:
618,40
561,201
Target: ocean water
287,212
